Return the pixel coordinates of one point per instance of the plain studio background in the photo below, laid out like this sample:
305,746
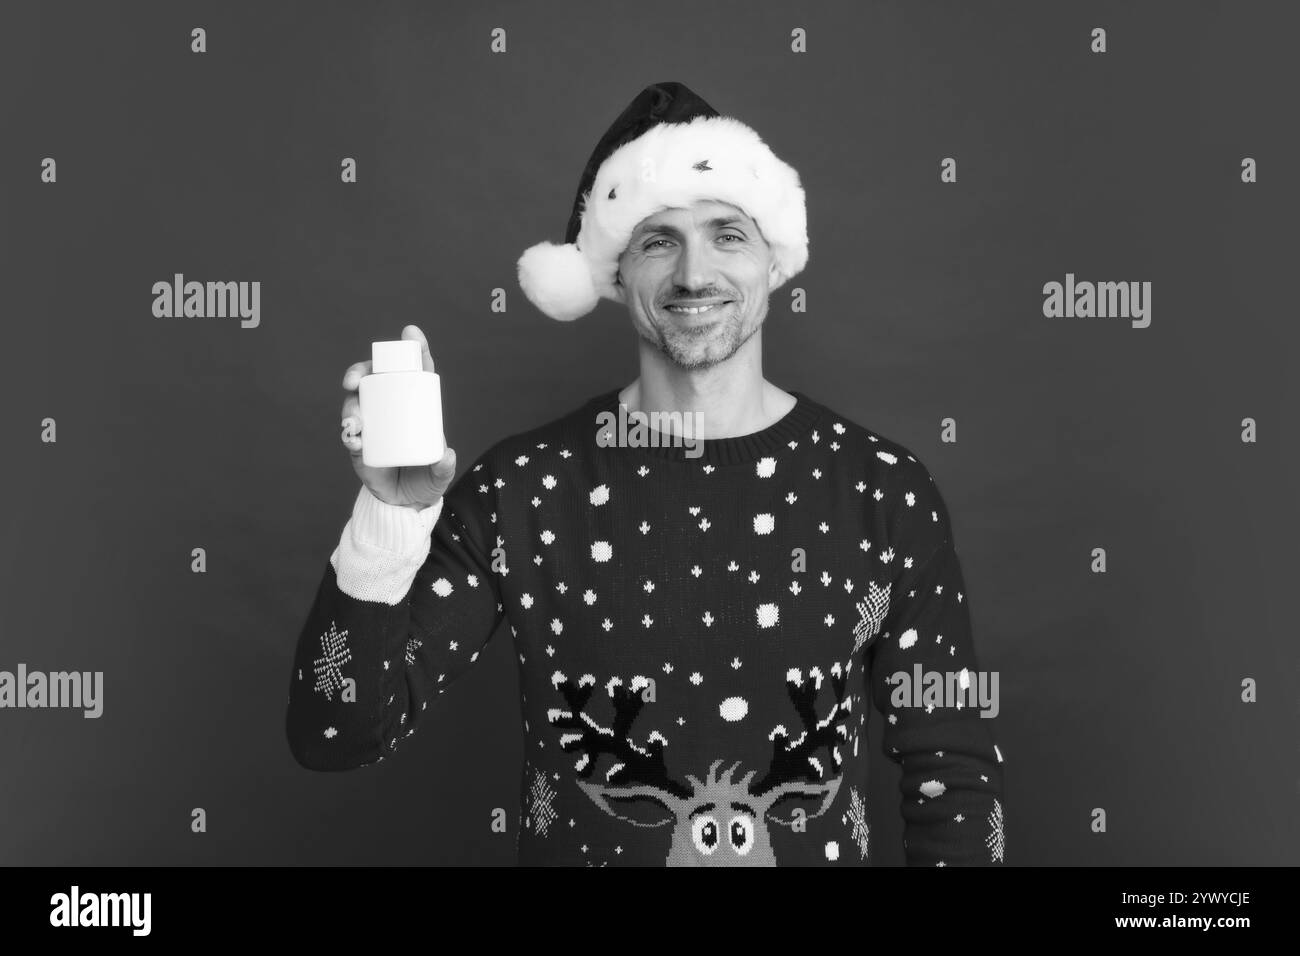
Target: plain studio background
1119,690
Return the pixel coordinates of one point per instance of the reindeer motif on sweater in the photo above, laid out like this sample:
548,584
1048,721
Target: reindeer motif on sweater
718,820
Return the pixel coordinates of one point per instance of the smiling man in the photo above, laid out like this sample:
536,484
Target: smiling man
699,282
700,635
696,282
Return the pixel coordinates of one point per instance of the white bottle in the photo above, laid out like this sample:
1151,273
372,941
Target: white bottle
401,408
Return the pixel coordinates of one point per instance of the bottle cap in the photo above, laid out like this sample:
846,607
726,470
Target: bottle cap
403,355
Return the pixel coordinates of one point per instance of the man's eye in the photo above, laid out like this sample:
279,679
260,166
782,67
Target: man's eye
725,235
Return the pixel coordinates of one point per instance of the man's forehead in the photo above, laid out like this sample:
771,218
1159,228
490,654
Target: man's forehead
719,213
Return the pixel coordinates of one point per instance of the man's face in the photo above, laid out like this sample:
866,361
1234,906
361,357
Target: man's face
710,254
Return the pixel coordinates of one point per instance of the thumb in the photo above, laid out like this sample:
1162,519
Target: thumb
432,482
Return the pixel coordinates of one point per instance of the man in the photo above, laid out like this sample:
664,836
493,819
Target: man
700,614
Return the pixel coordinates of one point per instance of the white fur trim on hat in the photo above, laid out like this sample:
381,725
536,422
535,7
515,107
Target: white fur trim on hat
670,165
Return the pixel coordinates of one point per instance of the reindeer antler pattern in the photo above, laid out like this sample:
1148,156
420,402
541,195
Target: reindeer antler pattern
634,764
717,820
797,760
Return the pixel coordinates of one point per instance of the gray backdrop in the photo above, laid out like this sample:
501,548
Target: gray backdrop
1119,690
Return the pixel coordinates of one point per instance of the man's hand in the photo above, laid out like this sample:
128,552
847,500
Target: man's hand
412,486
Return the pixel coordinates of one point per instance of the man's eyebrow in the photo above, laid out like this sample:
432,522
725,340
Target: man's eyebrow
715,223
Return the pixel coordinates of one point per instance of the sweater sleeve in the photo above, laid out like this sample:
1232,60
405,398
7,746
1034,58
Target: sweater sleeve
408,600
951,767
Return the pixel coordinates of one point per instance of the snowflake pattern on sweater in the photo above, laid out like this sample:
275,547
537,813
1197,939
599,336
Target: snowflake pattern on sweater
700,642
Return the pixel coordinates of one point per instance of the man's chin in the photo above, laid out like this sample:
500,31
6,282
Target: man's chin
688,354
698,347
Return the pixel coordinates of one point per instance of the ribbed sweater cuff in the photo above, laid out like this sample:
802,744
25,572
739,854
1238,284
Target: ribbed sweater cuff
382,548
393,528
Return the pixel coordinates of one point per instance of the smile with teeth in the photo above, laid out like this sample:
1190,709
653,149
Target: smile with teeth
686,310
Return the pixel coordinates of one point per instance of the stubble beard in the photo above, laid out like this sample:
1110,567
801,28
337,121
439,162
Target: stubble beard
694,352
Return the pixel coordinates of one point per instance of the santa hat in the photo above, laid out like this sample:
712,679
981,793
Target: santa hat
667,149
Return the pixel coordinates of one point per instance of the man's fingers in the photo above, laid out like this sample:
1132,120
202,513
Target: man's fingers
350,424
352,377
352,407
350,435
413,332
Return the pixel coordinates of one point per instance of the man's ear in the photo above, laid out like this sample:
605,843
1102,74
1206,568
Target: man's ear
773,274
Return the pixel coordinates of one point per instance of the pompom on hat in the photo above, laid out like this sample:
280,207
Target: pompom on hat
668,149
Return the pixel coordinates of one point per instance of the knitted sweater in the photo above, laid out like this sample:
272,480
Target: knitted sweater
698,635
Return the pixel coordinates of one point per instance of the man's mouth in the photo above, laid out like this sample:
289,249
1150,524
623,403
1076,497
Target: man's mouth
698,309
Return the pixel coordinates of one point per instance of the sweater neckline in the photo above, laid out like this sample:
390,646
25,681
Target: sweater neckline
733,450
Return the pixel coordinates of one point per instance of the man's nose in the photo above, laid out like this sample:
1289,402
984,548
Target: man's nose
694,266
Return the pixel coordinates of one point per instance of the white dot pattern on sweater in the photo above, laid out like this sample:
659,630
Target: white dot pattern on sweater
697,638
